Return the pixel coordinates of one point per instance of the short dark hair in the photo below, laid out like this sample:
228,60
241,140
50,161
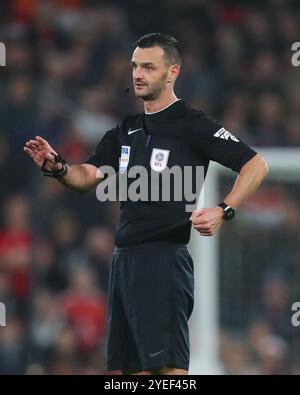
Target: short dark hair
169,44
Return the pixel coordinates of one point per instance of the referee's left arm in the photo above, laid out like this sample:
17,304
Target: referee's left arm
249,179
208,220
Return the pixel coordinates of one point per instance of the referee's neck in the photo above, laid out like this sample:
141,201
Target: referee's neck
159,104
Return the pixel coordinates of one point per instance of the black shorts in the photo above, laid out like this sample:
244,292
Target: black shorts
151,297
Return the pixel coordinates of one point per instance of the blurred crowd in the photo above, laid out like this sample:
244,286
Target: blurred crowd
259,282
66,79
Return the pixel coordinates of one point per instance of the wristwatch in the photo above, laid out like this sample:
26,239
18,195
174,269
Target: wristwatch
229,212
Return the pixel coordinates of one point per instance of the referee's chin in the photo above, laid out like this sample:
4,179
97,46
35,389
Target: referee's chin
146,97
143,95
140,95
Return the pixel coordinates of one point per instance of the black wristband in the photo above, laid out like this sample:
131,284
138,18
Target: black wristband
55,173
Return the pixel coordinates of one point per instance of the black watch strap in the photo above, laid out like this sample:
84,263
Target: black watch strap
229,212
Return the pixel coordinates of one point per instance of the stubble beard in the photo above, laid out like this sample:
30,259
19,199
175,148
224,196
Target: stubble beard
155,92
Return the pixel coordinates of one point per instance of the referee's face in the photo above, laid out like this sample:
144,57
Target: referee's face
150,72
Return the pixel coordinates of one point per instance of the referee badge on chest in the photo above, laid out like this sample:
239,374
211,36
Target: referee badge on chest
124,159
159,159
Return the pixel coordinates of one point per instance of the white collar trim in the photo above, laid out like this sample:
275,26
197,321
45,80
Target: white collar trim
155,112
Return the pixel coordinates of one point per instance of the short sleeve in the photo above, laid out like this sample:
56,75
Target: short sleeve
107,151
213,141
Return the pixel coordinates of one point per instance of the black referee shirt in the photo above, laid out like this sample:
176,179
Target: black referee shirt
180,136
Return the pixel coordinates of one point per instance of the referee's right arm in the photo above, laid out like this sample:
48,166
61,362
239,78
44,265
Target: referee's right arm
79,177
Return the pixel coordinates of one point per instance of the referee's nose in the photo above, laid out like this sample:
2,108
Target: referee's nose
138,74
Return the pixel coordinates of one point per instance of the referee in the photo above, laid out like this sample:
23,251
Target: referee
151,286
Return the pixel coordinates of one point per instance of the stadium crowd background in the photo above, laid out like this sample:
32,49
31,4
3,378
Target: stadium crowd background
66,78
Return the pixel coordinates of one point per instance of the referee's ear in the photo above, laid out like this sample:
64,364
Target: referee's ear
173,73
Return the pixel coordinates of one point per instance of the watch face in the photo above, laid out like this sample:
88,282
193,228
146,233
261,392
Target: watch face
230,213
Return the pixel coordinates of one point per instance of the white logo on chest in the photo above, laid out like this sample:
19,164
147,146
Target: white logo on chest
133,131
159,159
124,159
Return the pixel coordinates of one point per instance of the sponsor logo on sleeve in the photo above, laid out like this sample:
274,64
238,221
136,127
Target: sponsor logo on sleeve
225,135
